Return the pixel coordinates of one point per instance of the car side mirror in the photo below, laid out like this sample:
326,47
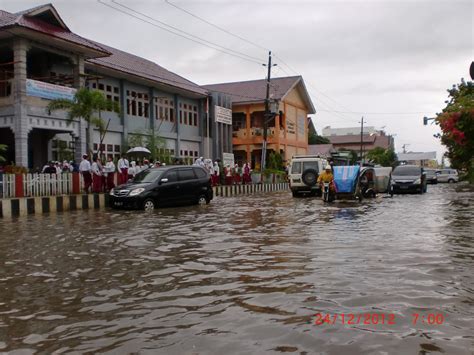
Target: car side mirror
164,180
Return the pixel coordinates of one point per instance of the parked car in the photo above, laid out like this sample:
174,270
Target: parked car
303,174
447,175
431,177
408,178
164,186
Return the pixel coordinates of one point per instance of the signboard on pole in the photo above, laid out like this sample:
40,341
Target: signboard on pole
223,115
228,159
48,91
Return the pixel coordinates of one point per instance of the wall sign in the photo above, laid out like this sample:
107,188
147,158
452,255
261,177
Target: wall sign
228,158
223,115
48,91
290,127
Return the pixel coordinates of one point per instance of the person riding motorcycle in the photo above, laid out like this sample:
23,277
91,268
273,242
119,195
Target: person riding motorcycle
327,177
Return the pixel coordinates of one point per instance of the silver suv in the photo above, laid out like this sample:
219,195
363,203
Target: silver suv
447,175
303,174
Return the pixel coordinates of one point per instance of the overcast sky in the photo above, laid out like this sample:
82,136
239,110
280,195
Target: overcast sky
373,58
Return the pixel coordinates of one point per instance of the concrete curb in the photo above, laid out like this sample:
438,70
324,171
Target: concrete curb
19,207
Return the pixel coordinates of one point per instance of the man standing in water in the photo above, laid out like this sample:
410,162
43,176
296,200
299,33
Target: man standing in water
85,170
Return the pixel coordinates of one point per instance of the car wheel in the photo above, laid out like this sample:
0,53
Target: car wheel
149,205
202,200
450,181
294,193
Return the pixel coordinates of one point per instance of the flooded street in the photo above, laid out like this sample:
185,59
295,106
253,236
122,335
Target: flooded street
244,275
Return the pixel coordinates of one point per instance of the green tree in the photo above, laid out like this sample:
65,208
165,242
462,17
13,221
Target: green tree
275,161
457,127
87,104
384,157
314,138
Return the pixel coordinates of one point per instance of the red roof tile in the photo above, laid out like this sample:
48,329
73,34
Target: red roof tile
132,64
255,90
23,20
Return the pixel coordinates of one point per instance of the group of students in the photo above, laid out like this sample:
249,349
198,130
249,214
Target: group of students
99,177
56,167
231,175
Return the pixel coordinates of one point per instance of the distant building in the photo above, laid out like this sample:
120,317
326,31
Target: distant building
427,159
349,139
323,150
287,133
328,131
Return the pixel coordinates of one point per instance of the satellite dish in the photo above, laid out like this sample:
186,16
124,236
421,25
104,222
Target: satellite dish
471,70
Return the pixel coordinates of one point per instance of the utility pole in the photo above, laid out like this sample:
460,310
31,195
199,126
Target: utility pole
361,140
266,116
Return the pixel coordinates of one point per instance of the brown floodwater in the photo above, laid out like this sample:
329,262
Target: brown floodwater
244,275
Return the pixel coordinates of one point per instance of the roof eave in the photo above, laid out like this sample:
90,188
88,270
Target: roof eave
90,52
197,94
309,102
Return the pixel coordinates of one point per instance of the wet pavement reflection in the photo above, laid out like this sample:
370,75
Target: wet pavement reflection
243,275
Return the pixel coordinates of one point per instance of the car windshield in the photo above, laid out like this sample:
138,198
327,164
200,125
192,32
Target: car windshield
148,175
407,171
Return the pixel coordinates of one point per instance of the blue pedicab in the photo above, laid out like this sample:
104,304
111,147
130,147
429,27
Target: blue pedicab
353,182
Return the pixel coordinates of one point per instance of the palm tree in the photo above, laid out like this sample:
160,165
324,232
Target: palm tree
87,104
3,150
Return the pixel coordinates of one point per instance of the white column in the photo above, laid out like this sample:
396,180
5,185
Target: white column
20,50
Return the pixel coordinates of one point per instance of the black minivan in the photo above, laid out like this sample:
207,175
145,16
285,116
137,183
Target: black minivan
408,178
166,185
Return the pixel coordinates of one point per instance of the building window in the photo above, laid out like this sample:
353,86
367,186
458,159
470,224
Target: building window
108,149
164,109
137,104
110,92
188,114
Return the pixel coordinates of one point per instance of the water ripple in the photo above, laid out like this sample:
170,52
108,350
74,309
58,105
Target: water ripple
243,275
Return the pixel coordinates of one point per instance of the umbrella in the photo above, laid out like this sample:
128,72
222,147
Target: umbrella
142,150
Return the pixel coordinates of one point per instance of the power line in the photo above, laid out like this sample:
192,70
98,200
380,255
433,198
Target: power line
216,26
379,113
348,111
200,41
186,33
250,42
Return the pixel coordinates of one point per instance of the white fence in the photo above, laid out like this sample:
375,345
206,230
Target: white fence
39,184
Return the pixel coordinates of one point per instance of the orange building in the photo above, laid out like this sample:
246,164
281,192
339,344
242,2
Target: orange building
287,133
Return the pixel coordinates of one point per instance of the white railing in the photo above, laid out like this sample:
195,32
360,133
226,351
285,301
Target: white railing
39,184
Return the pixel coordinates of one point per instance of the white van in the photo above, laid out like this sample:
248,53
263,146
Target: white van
303,174
447,175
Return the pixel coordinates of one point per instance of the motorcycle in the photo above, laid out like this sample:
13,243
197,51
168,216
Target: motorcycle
327,194
326,191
